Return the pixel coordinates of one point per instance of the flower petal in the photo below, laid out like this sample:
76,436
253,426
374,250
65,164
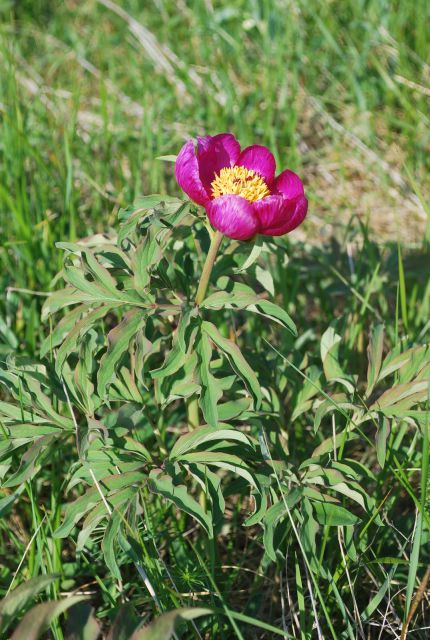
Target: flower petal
277,215
289,185
213,154
260,160
269,211
187,174
234,216
284,210
223,143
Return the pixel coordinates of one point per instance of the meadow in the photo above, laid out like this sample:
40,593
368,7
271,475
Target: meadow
257,467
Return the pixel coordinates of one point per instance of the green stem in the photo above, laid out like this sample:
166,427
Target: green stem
192,404
208,266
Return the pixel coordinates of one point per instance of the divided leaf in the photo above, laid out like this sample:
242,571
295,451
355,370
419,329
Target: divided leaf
179,496
236,359
240,298
119,340
202,435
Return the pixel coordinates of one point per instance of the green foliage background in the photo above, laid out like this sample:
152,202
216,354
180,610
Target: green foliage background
91,95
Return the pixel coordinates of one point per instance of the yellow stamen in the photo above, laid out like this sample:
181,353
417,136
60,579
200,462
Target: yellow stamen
239,181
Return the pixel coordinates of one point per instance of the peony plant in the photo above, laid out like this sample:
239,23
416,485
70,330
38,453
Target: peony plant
154,367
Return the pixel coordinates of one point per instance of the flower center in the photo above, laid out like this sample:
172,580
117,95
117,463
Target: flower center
241,182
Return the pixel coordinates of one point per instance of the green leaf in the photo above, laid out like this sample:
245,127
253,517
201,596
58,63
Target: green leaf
330,342
381,440
168,158
99,272
236,359
378,597
265,278
211,484
19,414
244,299
181,384
274,312
311,386
42,402
108,544
7,334
38,619
32,431
139,450
186,327
80,328
61,329
7,502
76,510
60,299
233,409
31,461
118,488
83,624
261,503
238,298
116,499
223,461
418,365
407,394
21,597
146,207
394,361
211,392
272,517
252,257
374,356
119,339
333,515
179,496
164,626
347,490
93,291
308,530
125,623
175,359
336,402
201,435
148,254
329,444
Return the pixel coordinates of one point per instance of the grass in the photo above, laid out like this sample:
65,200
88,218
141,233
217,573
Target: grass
91,95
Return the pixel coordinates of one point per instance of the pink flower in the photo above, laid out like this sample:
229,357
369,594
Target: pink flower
238,188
